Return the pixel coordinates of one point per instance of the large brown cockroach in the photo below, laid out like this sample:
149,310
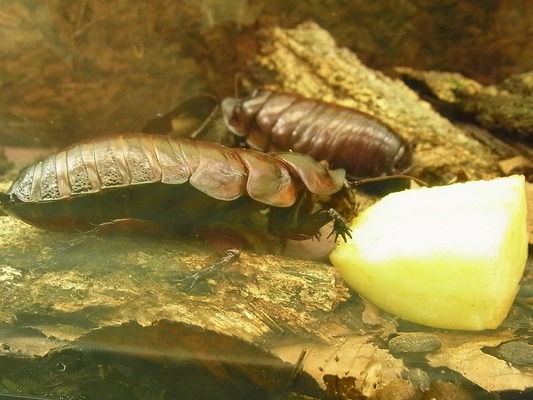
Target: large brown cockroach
173,182
342,136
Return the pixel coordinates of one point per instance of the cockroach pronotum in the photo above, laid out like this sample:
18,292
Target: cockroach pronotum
344,137
173,182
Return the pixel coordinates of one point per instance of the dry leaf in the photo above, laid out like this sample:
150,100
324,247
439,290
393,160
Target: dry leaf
462,353
367,366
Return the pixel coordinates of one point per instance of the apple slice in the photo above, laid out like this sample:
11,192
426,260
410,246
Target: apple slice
447,257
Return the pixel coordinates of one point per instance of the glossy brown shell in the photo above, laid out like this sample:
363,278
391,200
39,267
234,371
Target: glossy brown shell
346,138
174,181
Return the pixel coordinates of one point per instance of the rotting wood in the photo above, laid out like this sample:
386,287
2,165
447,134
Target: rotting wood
89,281
506,108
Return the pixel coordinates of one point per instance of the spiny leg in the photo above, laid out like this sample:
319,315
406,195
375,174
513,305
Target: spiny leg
213,269
299,223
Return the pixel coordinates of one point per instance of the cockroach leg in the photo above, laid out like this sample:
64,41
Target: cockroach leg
340,226
213,269
298,223
321,218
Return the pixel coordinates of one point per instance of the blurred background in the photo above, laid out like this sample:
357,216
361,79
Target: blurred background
75,69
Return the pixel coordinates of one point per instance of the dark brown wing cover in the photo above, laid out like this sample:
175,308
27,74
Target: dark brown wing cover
344,137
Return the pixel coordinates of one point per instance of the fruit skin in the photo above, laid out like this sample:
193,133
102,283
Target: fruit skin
447,257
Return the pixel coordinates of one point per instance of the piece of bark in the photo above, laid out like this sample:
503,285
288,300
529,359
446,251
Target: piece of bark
164,360
306,61
505,108
64,285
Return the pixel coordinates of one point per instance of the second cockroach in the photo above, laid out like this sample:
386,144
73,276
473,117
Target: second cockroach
346,138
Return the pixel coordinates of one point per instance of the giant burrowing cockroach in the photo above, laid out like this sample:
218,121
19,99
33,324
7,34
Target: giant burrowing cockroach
173,182
346,138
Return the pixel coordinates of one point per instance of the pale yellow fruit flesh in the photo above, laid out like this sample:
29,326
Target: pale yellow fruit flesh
447,257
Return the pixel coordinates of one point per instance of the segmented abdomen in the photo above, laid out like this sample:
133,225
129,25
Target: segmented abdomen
145,176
